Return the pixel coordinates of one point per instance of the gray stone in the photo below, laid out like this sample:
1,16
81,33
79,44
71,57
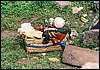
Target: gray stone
91,37
62,4
79,56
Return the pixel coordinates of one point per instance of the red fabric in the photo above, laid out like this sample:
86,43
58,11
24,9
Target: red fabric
59,37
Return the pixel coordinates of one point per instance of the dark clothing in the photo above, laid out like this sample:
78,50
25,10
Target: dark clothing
95,27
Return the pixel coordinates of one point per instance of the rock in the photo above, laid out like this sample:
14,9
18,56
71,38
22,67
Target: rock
84,15
62,4
75,10
91,37
74,34
97,4
71,42
79,56
76,23
91,11
90,65
54,59
80,8
43,54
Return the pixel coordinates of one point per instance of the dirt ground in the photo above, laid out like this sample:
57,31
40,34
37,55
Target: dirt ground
9,33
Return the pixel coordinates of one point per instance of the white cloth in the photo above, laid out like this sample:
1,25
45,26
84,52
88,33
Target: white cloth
25,27
50,29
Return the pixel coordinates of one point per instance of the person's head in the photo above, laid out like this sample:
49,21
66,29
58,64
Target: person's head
59,22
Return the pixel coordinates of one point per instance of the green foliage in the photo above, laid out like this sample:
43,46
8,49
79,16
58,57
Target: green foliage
25,8
12,10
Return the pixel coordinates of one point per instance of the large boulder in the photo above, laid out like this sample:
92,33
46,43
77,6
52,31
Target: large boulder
79,56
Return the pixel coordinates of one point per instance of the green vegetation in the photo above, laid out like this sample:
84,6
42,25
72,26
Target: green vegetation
13,12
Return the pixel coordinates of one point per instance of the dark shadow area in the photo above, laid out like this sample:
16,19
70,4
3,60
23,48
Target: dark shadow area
21,42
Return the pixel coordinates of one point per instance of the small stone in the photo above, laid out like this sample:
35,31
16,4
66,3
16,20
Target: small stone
76,23
43,54
71,42
75,10
84,15
91,12
96,2
74,34
54,59
80,8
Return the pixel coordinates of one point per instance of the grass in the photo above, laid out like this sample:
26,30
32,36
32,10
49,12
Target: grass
11,55
13,12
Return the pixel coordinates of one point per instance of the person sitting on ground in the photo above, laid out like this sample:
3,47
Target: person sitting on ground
56,31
